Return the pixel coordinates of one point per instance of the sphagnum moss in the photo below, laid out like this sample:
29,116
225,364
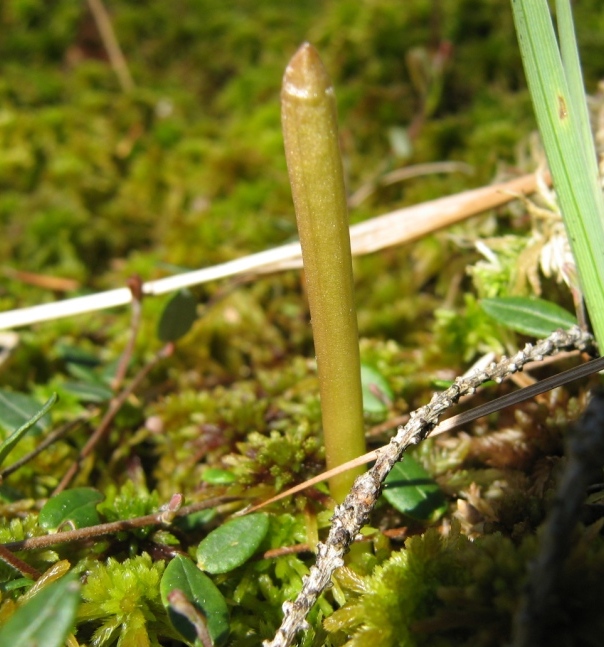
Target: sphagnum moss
315,170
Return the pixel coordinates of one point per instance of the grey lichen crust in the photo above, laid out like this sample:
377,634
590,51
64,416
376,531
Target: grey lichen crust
352,514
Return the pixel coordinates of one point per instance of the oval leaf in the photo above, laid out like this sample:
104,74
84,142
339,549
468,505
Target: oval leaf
533,317
232,544
76,507
377,394
89,391
181,574
178,316
215,476
412,491
46,619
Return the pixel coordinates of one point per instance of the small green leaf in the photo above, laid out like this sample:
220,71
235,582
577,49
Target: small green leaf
215,476
412,491
76,355
89,391
17,409
46,619
178,316
83,373
13,585
199,589
196,520
232,544
76,506
377,394
7,445
534,317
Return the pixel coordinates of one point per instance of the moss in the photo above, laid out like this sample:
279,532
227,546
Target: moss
131,500
468,333
281,459
18,529
123,601
399,592
451,591
273,434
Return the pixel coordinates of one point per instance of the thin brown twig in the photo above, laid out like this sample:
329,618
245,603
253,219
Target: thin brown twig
391,423
406,173
18,564
47,442
105,424
282,551
111,44
100,530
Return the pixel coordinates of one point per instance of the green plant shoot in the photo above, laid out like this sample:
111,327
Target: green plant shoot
556,86
315,171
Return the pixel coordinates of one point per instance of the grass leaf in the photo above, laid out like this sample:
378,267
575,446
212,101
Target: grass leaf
46,619
571,159
17,407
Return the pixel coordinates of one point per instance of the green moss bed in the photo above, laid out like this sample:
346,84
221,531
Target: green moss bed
186,170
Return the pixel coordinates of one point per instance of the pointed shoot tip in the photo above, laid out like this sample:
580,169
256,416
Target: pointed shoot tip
305,76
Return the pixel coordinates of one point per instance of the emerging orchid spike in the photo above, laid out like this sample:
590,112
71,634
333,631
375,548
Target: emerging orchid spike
315,170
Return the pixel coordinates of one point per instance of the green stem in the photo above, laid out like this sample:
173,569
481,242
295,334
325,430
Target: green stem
315,170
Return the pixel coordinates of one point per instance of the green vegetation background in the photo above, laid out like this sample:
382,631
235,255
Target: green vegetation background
188,170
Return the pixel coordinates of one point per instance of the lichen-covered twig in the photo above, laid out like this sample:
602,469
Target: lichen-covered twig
352,514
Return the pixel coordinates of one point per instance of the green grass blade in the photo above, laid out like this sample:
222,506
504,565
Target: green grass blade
574,77
9,443
573,171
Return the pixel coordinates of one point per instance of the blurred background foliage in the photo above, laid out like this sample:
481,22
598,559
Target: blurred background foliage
189,165
187,169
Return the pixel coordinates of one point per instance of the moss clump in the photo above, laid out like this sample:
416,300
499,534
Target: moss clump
470,332
124,602
452,592
267,430
402,590
18,529
281,458
131,500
